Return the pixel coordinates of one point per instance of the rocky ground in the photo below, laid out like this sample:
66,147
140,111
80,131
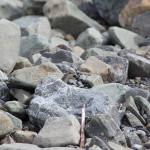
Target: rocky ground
74,75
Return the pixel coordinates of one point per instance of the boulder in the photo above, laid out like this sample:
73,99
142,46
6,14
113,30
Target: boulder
60,131
4,91
53,97
90,38
33,44
33,75
11,9
34,25
125,38
68,17
9,45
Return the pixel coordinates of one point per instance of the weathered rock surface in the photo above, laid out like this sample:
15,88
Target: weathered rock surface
10,44
4,91
68,17
60,131
55,98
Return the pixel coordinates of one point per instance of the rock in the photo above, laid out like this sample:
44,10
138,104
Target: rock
68,15
95,66
4,91
90,38
92,80
77,50
110,10
105,127
11,9
133,120
98,52
99,142
145,105
135,16
132,137
62,148
118,35
34,25
15,108
53,97
24,136
87,6
17,123
94,147
64,57
140,65
119,66
35,57
6,125
21,95
3,76
60,131
56,41
115,146
10,43
19,146
22,62
33,44
35,74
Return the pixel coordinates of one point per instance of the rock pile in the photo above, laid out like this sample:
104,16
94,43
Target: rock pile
74,75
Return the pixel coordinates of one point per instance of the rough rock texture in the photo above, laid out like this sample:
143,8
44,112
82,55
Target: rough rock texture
55,98
10,44
68,12
4,91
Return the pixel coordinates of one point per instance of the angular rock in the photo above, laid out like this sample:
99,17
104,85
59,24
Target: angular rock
24,136
131,41
15,108
68,17
97,52
35,74
9,45
95,66
22,62
115,146
53,97
6,125
33,44
90,38
4,91
77,50
140,65
60,131
11,9
34,25
94,147
119,66
3,76
105,127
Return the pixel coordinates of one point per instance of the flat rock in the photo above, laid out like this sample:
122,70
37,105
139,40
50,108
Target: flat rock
60,131
131,41
68,17
30,25
10,44
35,74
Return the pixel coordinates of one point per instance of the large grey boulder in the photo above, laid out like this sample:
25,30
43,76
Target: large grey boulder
34,24
61,131
53,97
11,9
125,38
9,45
68,17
